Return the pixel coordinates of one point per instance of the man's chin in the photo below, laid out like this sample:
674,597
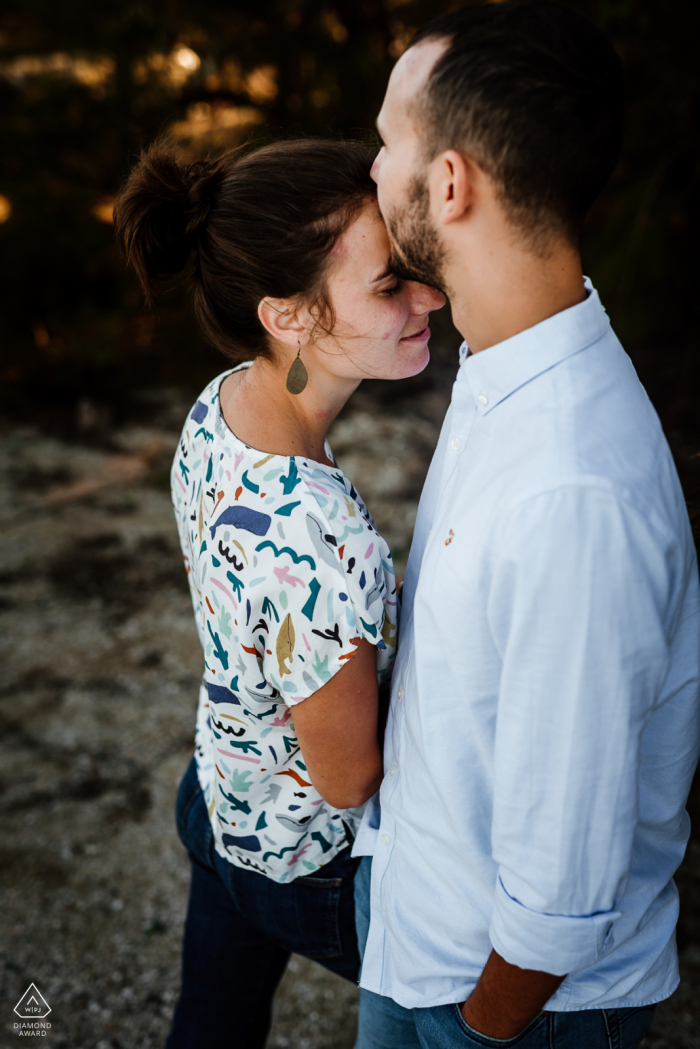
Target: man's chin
406,269
416,253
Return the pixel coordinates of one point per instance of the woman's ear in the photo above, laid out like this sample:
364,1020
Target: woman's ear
452,182
284,321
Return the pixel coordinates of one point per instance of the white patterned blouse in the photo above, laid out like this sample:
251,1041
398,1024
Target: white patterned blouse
287,573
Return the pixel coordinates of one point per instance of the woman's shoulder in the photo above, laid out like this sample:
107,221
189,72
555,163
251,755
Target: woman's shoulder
289,485
345,539
311,508
291,501
201,420
305,571
291,569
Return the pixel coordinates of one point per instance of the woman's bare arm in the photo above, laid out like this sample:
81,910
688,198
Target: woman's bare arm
337,730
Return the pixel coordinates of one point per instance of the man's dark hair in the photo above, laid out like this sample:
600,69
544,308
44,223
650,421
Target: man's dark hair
532,91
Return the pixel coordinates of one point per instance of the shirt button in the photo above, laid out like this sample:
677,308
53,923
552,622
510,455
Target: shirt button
456,443
392,770
386,840
483,399
399,693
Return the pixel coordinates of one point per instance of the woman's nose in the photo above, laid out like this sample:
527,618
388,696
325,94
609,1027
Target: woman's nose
374,171
425,299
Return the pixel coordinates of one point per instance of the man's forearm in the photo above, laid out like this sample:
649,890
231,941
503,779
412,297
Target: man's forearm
507,998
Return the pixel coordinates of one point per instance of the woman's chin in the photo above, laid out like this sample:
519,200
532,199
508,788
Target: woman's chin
402,368
404,363
413,363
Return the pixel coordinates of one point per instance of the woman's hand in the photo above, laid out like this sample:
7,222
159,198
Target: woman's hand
337,730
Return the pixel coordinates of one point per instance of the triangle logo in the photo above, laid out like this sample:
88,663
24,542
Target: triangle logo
32,1004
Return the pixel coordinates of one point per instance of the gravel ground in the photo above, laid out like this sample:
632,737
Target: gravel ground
99,664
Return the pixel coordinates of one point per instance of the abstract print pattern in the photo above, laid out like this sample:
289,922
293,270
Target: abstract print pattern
287,573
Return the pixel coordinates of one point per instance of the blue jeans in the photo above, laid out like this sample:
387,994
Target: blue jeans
241,928
385,1025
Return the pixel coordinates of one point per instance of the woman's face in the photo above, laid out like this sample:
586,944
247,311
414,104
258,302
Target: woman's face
381,323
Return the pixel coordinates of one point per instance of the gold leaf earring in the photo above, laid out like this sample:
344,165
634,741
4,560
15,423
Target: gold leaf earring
297,376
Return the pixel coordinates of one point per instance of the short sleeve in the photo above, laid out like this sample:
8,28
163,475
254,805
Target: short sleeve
306,593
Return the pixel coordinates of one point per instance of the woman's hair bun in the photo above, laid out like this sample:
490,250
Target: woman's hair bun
161,212
256,222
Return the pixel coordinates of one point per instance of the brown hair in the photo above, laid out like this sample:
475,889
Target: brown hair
252,223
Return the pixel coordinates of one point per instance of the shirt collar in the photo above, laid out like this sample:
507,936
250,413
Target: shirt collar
495,373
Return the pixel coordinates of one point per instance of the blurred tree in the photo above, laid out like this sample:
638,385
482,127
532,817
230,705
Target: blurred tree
642,234
84,86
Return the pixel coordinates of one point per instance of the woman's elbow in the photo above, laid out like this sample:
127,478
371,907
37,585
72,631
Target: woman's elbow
351,795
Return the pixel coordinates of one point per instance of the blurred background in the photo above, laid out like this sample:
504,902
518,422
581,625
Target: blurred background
84,86
99,659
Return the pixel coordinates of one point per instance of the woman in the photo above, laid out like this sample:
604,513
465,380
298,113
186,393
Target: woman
292,586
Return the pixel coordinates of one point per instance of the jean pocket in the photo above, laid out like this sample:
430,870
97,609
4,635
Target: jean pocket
627,1027
316,904
192,818
497,1043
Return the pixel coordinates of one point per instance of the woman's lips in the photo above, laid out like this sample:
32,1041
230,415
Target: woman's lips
418,336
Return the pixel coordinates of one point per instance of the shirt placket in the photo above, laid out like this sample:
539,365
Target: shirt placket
463,415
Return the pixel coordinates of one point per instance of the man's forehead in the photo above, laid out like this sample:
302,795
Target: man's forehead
410,74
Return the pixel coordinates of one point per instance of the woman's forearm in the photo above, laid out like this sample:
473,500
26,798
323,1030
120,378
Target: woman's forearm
337,731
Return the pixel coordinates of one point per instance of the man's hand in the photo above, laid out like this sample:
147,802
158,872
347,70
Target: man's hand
507,998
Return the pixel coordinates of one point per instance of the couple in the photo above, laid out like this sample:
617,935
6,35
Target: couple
504,869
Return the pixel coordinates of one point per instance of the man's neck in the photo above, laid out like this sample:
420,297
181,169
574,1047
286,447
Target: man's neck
498,293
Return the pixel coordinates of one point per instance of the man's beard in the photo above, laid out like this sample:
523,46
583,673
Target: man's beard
416,251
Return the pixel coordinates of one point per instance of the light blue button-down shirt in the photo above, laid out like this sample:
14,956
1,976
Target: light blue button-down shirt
544,722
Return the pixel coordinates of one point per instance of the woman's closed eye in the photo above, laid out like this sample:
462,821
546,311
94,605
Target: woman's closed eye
393,289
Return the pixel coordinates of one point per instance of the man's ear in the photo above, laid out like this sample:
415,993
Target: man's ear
453,183
284,320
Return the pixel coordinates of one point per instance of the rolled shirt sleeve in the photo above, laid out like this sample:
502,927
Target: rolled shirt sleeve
579,610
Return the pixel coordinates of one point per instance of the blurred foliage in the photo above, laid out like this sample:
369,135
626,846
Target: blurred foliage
83,86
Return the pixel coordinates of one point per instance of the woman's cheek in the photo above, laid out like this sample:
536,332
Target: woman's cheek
395,321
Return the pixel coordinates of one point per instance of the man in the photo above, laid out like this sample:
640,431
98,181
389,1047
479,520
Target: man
544,723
